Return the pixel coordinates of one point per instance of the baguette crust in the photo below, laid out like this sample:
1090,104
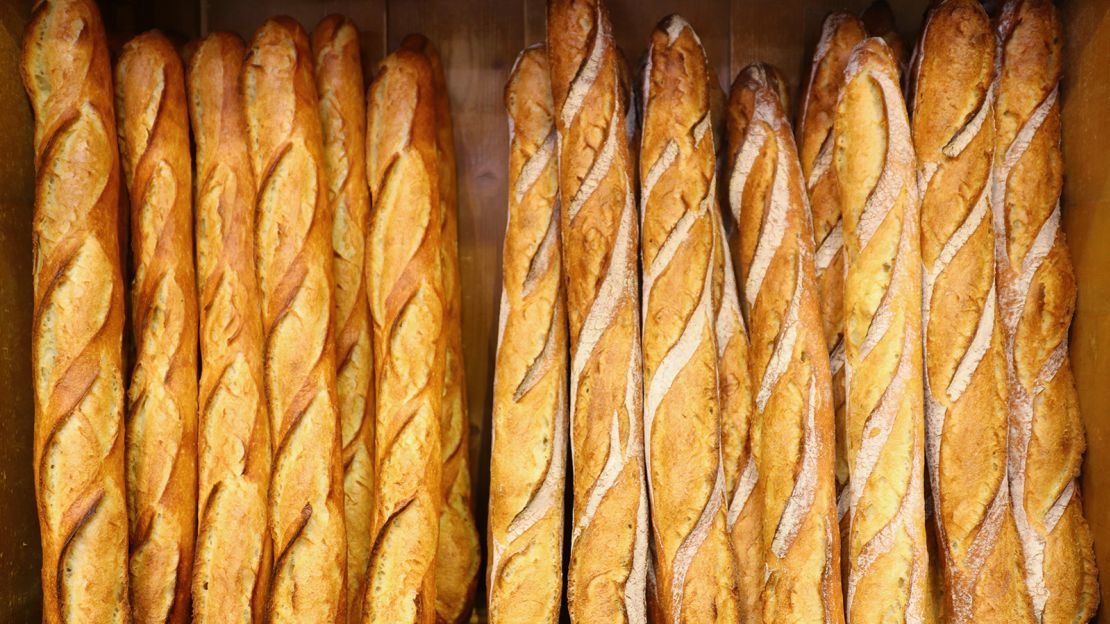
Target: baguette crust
457,555
691,550
607,573
529,429
875,162
965,379
408,308
162,397
233,554
343,119
1036,287
840,32
790,371
293,249
78,323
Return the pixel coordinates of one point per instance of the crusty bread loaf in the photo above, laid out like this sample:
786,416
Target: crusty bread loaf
878,19
339,84
407,306
693,563
790,371
840,32
529,428
161,445
1036,295
233,554
293,250
875,169
607,572
76,338
457,556
965,380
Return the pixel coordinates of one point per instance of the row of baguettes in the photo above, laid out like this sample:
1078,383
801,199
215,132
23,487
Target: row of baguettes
290,482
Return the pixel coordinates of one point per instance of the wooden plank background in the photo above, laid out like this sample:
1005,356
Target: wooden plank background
479,40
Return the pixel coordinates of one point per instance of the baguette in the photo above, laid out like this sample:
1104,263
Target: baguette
607,571
457,555
408,307
529,430
874,160
233,554
693,564
789,367
161,445
339,84
1036,288
77,332
839,34
293,251
965,382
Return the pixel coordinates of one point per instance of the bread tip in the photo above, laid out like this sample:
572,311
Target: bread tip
673,25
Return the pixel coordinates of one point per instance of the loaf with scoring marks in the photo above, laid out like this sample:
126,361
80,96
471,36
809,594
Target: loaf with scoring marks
607,572
789,368
233,555
1036,296
161,448
407,306
77,330
875,169
293,253
966,418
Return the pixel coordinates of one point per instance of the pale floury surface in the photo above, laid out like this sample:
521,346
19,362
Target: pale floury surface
1036,295
694,567
162,396
788,360
607,574
965,374
407,306
343,120
529,428
875,166
231,573
293,250
78,324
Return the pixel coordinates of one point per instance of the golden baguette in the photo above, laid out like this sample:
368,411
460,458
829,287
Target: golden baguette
77,332
161,450
607,573
457,556
408,307
1036,295
529,428
339,84
293,251
965,381
840,32
691,551
875,168
234,552
789,368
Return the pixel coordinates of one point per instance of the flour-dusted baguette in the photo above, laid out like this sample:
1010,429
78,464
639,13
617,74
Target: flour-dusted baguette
965,381
789,367
76,354
457,556
607,573
407,306
293,250
529,428
875,168
233,554
840,32
153,124
694,568
878,19
339,84
1036,294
